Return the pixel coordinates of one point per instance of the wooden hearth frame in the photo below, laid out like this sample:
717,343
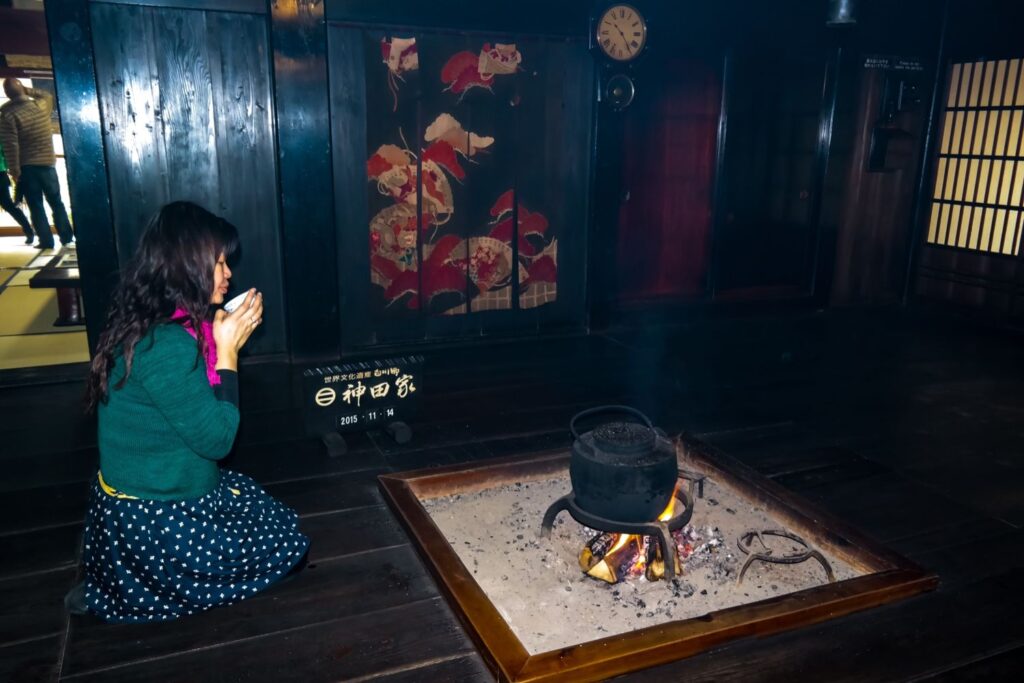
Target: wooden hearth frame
889,578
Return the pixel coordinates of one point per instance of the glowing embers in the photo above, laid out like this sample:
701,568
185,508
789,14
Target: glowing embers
623,550
624,557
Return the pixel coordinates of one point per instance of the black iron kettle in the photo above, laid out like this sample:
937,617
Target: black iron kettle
622,471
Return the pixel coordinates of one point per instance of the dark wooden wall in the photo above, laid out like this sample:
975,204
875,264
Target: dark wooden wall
720,180
187,108
228,103
771,177
737,173
797,213
873,241
311,256
873,207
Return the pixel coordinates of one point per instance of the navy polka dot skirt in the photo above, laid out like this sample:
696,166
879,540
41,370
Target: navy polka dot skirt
151,560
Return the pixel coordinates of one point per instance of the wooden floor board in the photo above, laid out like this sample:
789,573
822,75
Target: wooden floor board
1001,666
888,506
361,584
269,462
891,643
336,534
340,649
332,492
34,661
907,426
462,668
34,605
41,550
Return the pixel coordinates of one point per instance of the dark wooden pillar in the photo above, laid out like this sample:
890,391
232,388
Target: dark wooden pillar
75,79
602,280
299,40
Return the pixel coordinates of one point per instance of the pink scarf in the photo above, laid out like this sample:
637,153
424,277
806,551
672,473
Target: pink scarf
181,316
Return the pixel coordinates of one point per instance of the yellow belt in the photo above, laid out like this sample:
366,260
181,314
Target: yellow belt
111,491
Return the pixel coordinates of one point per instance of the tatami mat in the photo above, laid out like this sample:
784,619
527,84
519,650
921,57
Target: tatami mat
18,257
29,311
41,259
21,278
44,349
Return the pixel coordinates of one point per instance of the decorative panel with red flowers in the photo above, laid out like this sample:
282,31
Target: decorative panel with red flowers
469,191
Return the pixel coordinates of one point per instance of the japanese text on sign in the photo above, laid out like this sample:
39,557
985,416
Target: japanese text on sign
380,384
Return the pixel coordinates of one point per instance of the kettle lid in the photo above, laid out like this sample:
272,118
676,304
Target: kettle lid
624,438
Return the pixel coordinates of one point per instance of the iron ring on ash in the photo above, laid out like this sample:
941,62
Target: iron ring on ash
747,537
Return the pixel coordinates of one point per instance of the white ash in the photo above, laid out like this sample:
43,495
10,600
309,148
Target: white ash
539,589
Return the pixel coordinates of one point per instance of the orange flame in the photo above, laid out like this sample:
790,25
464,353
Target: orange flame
623,540
671,507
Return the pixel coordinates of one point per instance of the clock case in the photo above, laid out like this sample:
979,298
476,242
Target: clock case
614,75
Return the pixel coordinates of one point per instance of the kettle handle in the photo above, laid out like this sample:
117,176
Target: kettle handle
607,409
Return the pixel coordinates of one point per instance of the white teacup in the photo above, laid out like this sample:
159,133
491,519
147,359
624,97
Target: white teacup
236,302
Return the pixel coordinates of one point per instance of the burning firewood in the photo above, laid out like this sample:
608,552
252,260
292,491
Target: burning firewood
612,557
617,557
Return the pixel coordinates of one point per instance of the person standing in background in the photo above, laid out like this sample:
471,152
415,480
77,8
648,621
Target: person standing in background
8,204
27,138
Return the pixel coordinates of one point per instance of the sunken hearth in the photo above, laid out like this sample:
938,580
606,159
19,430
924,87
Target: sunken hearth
549,591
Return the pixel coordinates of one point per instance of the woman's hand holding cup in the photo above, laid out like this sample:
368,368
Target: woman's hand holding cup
232,330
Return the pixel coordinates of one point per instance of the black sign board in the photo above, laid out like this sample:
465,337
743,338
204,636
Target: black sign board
358,396
893,63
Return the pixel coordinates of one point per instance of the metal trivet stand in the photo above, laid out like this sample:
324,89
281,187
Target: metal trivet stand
661,531
747,537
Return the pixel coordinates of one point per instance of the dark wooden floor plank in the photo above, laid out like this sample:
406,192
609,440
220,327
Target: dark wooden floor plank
347,586
950,537
269,462
334,492
1004,666
336,534
34,661
436,457
891,643
455,669
888,506
39,551
33,606
843,470
340,649
975,559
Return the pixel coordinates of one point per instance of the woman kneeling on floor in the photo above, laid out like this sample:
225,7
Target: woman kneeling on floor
168,532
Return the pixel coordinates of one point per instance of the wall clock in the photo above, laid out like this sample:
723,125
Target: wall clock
621,33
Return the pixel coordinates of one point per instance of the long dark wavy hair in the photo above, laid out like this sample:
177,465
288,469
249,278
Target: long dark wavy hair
171,269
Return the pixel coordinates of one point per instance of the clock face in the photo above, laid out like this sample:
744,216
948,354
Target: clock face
621,32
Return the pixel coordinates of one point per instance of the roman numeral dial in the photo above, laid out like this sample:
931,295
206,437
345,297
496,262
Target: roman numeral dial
621,32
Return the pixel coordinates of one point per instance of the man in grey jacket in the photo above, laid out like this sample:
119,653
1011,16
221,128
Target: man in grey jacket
27,137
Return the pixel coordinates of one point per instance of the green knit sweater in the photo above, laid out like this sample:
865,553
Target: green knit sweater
161,434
